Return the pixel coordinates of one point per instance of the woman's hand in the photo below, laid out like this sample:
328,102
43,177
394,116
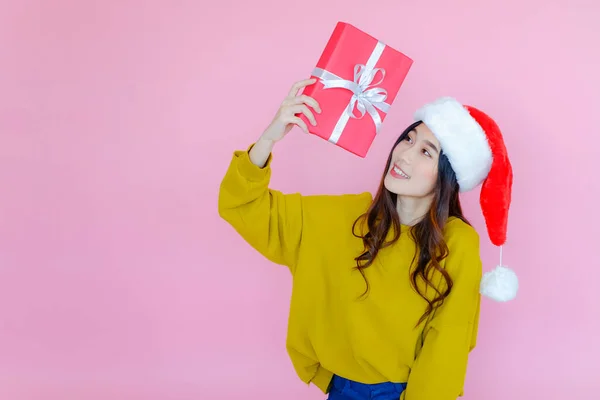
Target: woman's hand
284,120
286,116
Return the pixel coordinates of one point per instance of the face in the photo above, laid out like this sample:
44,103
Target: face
414,165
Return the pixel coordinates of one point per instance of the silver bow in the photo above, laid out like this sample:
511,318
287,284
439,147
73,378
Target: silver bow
366,95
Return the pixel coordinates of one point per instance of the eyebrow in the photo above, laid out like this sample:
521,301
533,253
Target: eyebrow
430,144
427,142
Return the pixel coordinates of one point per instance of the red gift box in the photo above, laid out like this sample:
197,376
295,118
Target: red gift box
358,79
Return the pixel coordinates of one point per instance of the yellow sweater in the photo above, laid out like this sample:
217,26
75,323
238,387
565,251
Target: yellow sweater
331,330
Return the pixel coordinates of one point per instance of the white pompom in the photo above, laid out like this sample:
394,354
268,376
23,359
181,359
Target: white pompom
501,284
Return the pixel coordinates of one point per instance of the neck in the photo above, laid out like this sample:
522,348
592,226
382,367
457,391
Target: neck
412,210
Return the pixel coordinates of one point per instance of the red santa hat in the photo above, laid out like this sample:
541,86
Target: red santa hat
473,143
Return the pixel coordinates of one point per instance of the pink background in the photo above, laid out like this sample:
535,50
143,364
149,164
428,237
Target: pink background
118,280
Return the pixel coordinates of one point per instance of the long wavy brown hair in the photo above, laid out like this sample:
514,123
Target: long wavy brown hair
428,235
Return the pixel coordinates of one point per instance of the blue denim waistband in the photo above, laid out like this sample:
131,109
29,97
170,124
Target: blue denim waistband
358,391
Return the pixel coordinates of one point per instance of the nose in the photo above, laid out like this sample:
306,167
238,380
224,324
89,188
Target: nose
404,159
407,156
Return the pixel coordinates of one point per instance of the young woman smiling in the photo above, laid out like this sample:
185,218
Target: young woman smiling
386,288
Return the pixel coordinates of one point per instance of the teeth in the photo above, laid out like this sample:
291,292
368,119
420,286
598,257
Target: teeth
400,172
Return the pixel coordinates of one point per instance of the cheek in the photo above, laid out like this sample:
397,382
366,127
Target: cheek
397,151
430,173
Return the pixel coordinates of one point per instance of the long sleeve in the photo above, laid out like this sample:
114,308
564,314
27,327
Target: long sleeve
270,221
439,370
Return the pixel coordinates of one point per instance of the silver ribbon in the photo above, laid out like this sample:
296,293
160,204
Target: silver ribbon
366,96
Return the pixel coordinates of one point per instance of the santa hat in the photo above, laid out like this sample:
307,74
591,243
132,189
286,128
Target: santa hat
473,143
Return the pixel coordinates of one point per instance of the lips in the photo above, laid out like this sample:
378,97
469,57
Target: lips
397,172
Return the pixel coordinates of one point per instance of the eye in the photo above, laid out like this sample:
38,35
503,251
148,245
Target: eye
408,139
426,152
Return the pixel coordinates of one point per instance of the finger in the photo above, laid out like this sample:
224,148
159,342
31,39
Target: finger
311,102
298,121
302,100
299,85
306,100
302,108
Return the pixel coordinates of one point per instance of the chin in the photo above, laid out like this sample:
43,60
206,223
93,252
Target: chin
398,189
387,184
394,186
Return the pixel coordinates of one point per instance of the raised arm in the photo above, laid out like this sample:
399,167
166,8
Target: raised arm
267,219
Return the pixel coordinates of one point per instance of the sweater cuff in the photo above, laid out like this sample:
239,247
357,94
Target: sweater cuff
250,171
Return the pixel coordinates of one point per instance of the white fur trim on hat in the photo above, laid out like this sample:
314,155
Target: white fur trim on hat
462,139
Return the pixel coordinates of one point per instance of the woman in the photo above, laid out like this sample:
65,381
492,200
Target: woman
385,299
